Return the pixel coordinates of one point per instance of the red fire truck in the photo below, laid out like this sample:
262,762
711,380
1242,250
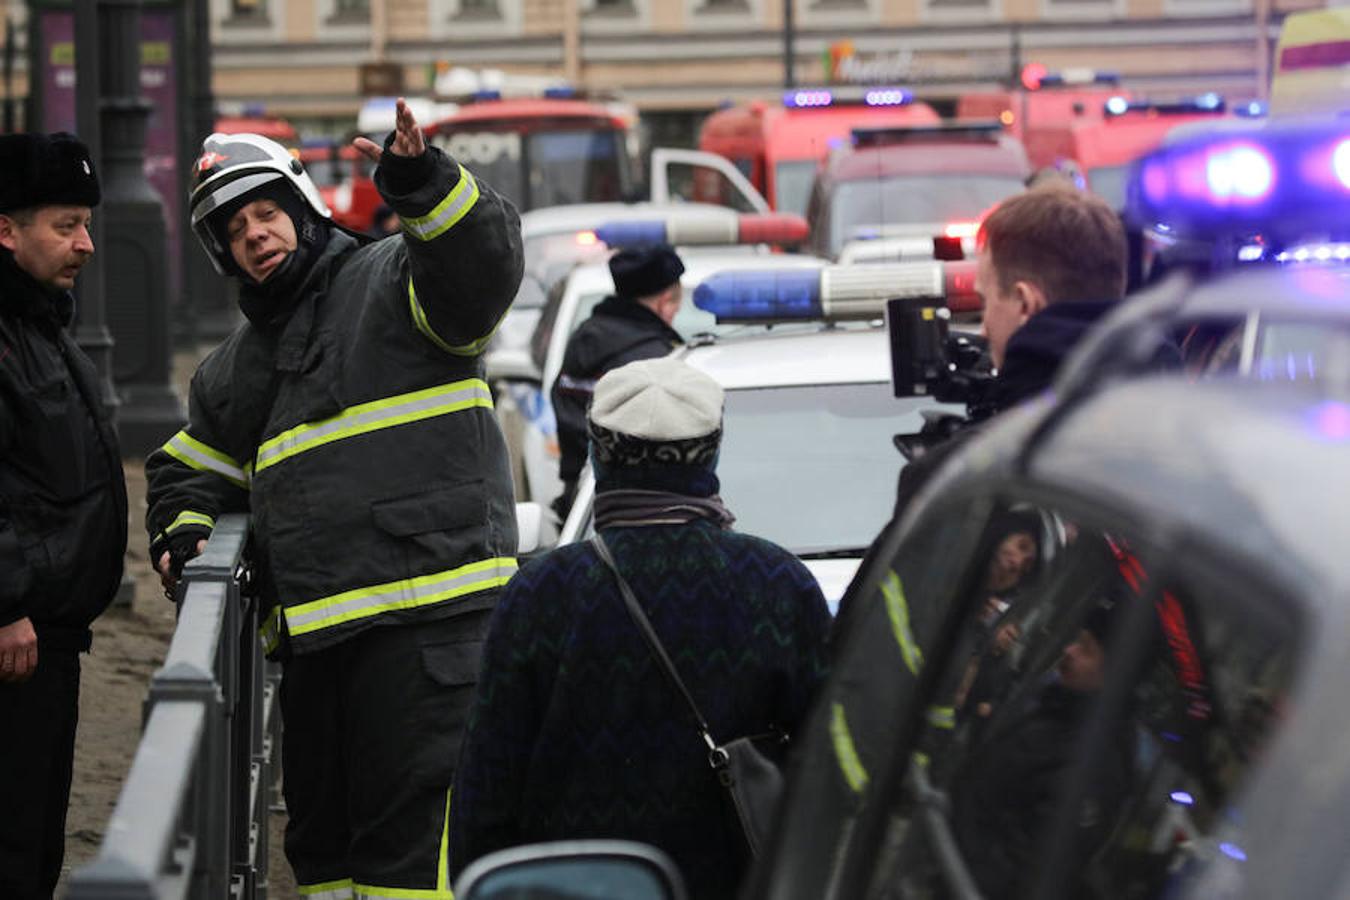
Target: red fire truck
779,146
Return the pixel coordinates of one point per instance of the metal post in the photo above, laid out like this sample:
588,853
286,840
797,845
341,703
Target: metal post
7,126
136,274
789,51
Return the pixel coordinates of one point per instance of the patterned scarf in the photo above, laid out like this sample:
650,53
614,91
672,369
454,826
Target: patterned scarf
628,507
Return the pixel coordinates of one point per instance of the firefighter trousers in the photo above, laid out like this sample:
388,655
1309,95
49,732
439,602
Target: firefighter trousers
371,734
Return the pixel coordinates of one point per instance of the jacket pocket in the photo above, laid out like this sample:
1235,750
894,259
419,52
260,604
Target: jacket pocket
440,509
452,665
58,440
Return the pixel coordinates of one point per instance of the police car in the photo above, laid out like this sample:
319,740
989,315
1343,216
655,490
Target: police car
1149,701
707,244
808,404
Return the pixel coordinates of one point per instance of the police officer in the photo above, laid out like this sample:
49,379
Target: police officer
633,323
349,415
63,502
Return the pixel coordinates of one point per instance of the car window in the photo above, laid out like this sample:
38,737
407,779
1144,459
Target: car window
1088,726
917,199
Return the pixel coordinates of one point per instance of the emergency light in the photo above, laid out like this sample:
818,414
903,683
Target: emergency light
980,132
834,292
878,95
1205,103
1287,181
688,231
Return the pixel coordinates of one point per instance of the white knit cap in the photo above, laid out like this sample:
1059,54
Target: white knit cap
663,399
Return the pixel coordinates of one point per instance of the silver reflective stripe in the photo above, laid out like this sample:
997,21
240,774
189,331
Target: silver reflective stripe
407,593
373,416
329,890
193,453
449,211
371,892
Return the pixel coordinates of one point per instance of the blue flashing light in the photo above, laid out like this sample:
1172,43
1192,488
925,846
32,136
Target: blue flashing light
887,97
1233,851
807,99
629,234
1251,253
1331,420
792,294
486,94
1253,109
560,92
1210,100
1117,106
1182,798
1239,173
1340,162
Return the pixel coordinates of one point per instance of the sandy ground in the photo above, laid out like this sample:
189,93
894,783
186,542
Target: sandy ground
129,646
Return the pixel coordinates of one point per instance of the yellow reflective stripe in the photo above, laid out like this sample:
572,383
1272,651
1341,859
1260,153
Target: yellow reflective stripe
329,890
447,213
188,517
375,415
371,892
270,630
406,593
898,611
443,861
942,716
473,348
921,759
194,454
845,751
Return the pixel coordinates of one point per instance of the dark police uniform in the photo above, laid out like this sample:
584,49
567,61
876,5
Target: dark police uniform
619,330
359,433
63,521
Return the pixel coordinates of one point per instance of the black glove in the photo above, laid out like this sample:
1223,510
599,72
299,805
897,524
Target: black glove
182,546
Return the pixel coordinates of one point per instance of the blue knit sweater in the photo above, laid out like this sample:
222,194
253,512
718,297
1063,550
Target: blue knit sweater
576,733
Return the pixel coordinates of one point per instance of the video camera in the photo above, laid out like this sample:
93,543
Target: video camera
928,360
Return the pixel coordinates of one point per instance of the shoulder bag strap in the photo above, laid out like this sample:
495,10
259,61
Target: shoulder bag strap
649,634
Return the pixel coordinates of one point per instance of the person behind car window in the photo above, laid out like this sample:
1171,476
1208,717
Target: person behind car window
576,731
1005,791
632,323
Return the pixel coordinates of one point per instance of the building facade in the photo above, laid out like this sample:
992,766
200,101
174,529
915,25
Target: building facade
678,59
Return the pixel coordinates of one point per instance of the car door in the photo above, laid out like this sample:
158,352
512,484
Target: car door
703,177
1084,715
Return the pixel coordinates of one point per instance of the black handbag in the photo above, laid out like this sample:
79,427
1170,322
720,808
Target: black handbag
753,782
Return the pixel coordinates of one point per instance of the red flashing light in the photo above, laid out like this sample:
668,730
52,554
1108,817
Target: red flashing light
958,281
773,228
1032,75
961,229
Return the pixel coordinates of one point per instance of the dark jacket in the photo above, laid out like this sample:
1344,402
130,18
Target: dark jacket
360,432
618,331
63,500
576,733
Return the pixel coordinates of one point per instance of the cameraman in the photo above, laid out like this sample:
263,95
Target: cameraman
1052,262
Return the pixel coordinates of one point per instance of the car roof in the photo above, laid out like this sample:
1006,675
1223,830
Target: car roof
930,157
793,357
582,216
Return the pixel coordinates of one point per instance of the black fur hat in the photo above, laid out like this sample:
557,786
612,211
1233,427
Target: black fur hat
44,170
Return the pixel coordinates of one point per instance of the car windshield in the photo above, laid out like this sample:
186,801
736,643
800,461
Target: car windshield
547,168
914,200
1108,182
831,443
689,321
792,185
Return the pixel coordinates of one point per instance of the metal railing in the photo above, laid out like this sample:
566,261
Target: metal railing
191,820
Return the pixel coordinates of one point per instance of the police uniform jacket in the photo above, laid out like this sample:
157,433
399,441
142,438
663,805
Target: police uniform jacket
619,331
63,501
360,434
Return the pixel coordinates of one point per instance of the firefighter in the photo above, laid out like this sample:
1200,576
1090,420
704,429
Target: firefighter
350,417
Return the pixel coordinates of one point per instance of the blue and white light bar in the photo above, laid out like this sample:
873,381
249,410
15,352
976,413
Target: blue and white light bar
701,228
1205,103
1284,180
832,293
817,97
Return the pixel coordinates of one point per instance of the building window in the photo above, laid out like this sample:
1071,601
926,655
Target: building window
253,10
960,9
478,10
716,6
612,8
347,12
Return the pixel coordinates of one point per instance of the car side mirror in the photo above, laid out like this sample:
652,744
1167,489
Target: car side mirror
511,365
537,528
577,870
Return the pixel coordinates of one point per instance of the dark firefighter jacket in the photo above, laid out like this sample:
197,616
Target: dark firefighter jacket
360,434
619,331
63,500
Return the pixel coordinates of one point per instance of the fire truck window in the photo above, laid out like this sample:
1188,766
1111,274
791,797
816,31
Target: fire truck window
1086,721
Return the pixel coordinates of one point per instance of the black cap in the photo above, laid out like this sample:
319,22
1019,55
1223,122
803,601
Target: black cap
45,170
644,271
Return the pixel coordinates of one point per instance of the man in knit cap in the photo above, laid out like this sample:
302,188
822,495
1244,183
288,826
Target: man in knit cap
576,731
63,501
